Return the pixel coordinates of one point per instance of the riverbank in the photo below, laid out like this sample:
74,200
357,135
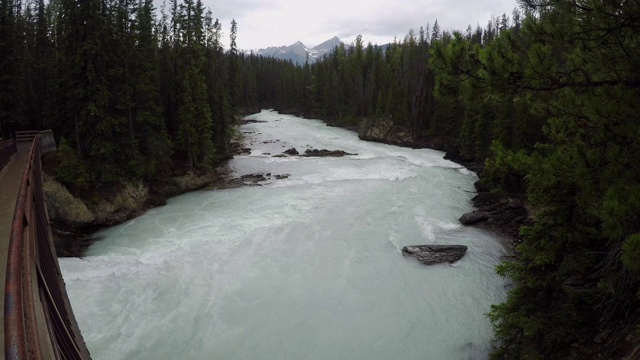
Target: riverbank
319,250
75,220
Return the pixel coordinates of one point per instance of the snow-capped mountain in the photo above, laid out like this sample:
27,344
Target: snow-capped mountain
298,53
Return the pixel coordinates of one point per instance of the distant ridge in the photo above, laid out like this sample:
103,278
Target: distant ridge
298,53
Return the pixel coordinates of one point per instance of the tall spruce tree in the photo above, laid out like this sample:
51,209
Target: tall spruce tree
233,69
12,97
150,135
82,90
194,114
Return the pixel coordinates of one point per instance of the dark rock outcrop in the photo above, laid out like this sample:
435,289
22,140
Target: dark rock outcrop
244,180
453,154
500,214
291,151
325,152
434,254
385,131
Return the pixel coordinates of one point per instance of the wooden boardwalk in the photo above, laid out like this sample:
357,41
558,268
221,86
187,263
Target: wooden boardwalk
10,177
38,319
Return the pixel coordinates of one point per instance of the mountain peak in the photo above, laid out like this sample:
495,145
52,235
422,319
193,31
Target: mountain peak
329,45
299,53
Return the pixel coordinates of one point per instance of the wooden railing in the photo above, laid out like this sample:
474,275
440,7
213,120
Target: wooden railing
47,142
7,150
39,322
26,135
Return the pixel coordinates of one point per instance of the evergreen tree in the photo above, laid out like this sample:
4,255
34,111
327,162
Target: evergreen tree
233,71
149,129
577,273
12,96
82,89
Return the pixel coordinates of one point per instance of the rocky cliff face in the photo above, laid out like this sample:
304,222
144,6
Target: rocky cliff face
75,220
385,131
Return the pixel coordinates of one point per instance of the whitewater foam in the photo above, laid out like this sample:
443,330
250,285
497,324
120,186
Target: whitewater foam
306,267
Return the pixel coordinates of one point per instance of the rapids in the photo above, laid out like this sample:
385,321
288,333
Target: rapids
307,267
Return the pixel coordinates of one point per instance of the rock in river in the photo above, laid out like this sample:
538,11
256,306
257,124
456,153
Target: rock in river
473,217
325,152
434,254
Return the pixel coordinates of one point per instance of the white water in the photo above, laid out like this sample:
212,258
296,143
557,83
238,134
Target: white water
307,267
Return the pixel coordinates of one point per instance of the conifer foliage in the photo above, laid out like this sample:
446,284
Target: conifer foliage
133,91
546,98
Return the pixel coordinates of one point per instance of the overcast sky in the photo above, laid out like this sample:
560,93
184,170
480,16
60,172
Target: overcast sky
263,23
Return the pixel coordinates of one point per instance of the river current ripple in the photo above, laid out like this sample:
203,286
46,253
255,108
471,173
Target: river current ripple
306,267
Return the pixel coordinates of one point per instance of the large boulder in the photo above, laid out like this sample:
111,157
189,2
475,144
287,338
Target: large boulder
435,254
473,217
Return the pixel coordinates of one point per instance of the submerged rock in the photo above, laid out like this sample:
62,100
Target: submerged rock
434,254
251,121
250,179
325,152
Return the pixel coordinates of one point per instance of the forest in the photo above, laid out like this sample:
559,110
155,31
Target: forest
546,98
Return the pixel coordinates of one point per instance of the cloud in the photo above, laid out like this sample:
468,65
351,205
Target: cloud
230,9
397,21
263,23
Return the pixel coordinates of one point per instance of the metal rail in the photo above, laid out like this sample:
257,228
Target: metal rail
39,322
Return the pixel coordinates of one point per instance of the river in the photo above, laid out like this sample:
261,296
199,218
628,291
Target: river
305,267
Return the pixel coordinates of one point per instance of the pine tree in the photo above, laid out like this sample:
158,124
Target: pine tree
12,105
233,70
149,129
194,114
40,82
576,273
216,79
82,90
